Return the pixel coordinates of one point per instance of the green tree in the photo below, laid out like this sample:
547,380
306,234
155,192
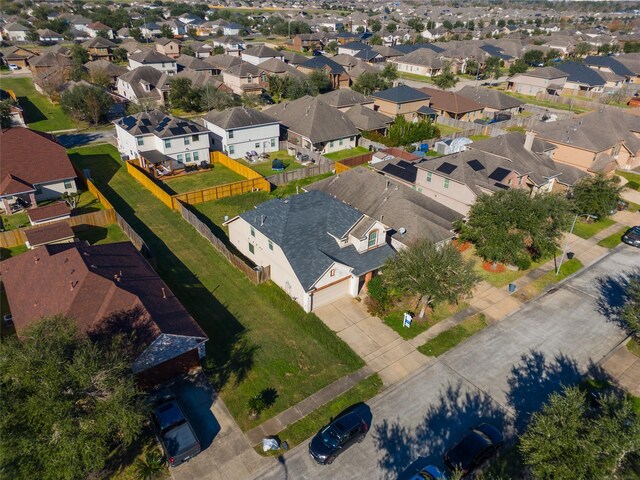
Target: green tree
332,47
80,56
596,195
136,34
166,31
492,67
519,66
572,440
151,467
5,113
501,23
582,49
436,273
87,103
183,95
471,25
218,50
389,72
534,57
445,79
120,55
416,24
391,27
502,233
68,404
212,99
375,40
551,55
472,67
370,82
447,24
320,81
375,26
187,50
403,132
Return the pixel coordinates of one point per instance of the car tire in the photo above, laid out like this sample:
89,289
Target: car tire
330,460
361,438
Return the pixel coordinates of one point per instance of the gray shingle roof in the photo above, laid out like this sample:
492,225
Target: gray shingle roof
306,226
238,117
159,124
490,98
401,94
150,56
262,51
400,206
367,119
344,97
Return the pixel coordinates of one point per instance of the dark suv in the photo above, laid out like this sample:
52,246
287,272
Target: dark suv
481,443
178,439
336,437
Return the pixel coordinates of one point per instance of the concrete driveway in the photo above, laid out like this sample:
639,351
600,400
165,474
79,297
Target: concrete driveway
500,375
383,350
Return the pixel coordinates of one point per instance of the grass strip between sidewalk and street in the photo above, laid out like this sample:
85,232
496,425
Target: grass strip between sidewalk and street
613,240
454,336
587,230
304,428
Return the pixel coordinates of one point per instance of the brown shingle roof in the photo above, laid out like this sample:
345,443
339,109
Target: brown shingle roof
31,158
451,101
55,210
54,232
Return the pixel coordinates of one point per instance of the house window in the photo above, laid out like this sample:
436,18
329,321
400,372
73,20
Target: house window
187,141
270,245
520,180
194,138
273,142
232,149
330,144
510,181
68,184
196,156
429,175
351,139
340,142
180,157
251,249
264,78
446,183
373,239
187,157
167,144
249,79
253,232
140,141
257,145
162,64
230,133
616,150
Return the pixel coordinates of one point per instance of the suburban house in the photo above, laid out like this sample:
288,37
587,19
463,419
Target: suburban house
304,42
343,99
292,58
59,232
232,45
613,65
366,119
545,79
50,60
352,48
245,78
107,289
144,85
581,77
192,63
47,35
259,54
18,56
168,46
240,130
318,248
33,168
201,49
513,160
400,100
222,62
150,29
155,59
99,48
409,215
423,62
338,77
312,124
96,29
105,67
494,102
15,32
454,105
162,142
279,68
203,79
600,141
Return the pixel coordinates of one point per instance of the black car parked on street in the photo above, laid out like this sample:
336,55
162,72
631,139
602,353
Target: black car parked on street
481,443
335,438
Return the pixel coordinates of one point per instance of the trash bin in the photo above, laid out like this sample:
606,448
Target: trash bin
570,255
512,287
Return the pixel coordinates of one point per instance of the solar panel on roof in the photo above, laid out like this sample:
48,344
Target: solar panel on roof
476,165
403,164
499,174
446,168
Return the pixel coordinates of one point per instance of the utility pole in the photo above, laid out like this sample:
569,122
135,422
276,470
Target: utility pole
566,244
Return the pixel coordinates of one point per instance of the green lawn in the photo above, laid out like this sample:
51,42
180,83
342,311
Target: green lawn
101,235
264,168
454,336
12,252
634,347
545,103
305,427
17,220
632,177
415,76
218,175
39,113
290,188
348,153
477,138
614,239
589,229
441,312
569,267
516,129
258,336
447,130
230,207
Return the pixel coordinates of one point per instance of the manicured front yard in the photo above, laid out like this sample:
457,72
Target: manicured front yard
305,427
441,312
39,113
218,175
348,153
589,229
614,239
258,336
415,76
454,336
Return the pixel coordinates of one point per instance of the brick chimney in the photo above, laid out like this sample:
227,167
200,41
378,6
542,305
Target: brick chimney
529,137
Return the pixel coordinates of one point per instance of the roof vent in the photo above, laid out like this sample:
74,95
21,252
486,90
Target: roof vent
164,294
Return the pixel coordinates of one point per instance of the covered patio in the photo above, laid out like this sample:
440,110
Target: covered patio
159,164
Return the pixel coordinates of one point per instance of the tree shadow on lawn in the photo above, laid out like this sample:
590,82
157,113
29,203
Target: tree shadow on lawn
613,293
461,406
229,353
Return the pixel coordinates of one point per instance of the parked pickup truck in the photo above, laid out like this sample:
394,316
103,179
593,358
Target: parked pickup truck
176,435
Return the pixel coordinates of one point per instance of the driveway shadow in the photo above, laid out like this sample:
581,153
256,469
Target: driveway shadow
196,395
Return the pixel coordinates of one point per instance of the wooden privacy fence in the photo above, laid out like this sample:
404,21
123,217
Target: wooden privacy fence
256,274
300,173
136,239
96,193
231,164
356,161
141,176
101,218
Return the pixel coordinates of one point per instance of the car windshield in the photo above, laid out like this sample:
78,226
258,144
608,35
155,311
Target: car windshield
635,231
330,437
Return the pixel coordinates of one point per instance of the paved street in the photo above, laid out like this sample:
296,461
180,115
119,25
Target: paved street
463,82
500,375
78,139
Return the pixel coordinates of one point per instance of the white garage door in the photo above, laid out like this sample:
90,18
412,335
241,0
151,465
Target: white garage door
330,294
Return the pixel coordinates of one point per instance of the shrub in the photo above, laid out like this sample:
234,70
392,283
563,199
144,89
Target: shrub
523,263
633,185
380,297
